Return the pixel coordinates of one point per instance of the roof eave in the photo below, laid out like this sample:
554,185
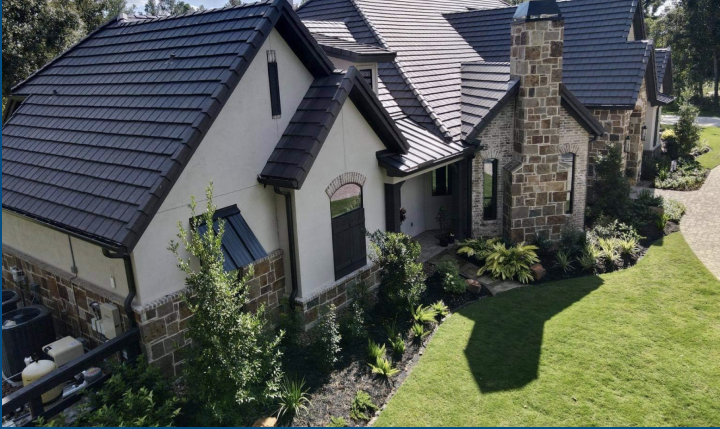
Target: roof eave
356,57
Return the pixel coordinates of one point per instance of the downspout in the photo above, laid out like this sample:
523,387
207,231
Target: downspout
132,290
291,242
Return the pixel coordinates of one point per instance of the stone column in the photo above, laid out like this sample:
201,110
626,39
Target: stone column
535,204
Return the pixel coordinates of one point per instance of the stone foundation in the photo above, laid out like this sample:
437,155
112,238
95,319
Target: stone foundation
67,297
163,323
338,293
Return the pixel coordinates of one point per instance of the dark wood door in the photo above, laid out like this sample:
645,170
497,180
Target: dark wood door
349,250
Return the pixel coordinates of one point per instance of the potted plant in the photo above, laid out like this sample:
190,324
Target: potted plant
441,218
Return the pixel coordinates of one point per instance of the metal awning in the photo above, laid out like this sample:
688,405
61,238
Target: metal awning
239,244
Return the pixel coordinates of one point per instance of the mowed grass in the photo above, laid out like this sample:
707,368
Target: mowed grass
712,136
639,347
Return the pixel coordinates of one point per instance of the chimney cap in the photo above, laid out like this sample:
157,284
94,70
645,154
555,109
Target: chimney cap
537,10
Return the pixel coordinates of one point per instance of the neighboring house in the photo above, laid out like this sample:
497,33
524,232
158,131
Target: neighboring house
312,132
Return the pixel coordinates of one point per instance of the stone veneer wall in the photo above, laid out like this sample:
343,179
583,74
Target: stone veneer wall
339,293
535,204
67,297
575,139
163,323
633,166
497,139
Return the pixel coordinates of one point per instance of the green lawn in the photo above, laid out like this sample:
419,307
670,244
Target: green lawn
712,158
639,347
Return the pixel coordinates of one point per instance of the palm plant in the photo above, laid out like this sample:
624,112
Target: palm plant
423,314
477,248
513,262
384,368
564,261
293,398
441,310
398,345
418,331
375,350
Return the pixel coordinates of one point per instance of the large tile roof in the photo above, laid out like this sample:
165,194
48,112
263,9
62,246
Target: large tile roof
108,126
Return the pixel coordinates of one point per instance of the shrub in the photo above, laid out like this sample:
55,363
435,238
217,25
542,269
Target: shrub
572,239
646,198
669,137
441,310
674,209
423,314
564,261
588,258
375,351
687,133
661,221
477,248
337,422
135,395
402,277
384,368
628,248
612,229
222,332
353,324
609,251
361,406
293,399
611,190
689,175
291,321
449,272
511,263
327,340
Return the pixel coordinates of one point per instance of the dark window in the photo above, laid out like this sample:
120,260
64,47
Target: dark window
490,174
348,229
567,165
368,75
441,182
274,85
657,128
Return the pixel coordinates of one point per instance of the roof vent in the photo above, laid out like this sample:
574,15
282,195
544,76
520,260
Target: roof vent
537,10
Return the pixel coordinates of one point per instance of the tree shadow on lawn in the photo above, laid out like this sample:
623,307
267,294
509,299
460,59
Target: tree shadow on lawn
504,349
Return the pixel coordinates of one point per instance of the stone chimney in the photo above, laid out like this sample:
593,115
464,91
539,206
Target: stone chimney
536,202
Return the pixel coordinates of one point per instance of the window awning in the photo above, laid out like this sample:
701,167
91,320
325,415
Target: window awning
239,244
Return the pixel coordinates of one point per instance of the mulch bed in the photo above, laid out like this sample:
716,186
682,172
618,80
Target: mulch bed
332,395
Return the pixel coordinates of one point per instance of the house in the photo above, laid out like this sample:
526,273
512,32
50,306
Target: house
313,126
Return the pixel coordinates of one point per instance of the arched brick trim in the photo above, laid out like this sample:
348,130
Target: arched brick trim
569,148
492,154
344,179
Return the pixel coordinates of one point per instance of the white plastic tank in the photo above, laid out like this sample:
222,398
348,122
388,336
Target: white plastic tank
36,370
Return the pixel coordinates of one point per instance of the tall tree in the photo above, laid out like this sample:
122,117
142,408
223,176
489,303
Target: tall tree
704,30
33,32
167,7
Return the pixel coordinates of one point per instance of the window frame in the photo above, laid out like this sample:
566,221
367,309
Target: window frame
274,84
374,69
354,243
570,202
362,200
490,212
446,190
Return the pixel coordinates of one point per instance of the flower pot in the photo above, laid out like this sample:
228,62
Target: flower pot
443,241
451,239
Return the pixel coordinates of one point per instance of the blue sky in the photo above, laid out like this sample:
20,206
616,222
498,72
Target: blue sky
140,4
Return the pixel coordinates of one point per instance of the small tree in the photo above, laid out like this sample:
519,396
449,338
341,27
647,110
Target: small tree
402,277
233,363
611,190
687,133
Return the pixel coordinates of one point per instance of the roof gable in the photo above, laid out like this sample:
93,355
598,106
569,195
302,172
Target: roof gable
109,125
300,144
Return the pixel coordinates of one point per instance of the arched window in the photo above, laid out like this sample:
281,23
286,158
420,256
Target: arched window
348,229
490,184
346,199
567,166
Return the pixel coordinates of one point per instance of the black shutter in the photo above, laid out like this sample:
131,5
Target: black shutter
349,250
274,85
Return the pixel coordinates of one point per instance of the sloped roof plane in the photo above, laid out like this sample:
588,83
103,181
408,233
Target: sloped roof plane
108,126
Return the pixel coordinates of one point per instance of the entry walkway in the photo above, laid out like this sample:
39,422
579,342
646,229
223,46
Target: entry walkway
701,224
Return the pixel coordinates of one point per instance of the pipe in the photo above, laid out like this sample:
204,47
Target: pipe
291,242
132,290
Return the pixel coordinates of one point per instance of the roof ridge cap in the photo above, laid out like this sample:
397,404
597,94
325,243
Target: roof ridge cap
398,65
156,18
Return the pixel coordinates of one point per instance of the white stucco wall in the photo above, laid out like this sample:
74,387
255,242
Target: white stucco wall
231,155
652,140
350,147
53,248
413,194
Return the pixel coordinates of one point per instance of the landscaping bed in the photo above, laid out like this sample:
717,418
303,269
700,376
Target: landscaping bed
331,395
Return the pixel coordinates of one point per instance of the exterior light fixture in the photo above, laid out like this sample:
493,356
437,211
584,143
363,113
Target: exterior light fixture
627,144
643,132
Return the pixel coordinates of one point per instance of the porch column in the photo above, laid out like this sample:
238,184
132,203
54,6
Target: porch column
392,206
460,198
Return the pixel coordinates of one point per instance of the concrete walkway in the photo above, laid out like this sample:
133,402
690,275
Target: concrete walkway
701,224
703,121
